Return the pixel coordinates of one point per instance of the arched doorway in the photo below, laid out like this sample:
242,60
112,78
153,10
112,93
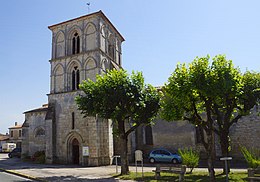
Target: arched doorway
75,151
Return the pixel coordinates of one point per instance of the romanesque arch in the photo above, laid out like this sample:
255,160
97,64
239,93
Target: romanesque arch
58,78
74,143
103,41
90,32
74,40
91,69
73,75
111,46
39,132
60,45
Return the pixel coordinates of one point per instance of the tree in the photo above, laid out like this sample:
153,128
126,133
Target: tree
122,98
212,97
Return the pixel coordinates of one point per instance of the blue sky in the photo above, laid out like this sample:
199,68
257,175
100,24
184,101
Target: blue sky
158,35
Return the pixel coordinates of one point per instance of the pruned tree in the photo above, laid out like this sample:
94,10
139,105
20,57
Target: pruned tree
122,98
211,96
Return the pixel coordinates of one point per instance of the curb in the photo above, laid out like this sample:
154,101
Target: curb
22,175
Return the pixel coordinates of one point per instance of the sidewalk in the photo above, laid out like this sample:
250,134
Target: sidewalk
57,173
44,172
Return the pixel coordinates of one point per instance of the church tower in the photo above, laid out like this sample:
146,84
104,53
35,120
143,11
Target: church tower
81,48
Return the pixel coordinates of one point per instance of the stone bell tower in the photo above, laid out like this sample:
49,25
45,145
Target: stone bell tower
81,48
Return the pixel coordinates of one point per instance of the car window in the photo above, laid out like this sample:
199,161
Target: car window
156,152
165,152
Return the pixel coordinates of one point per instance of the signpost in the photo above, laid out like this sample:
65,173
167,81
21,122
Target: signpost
226,165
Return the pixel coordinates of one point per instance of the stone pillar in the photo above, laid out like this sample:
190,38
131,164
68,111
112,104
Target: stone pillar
49,143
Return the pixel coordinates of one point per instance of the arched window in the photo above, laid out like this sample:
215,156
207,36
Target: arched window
75,43
39,132
111,47
75,78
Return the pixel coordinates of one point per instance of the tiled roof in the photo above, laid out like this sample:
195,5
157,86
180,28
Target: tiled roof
43,108
3,137
16,127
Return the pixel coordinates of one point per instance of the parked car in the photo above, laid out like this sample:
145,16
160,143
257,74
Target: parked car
8,147
16,152
163,155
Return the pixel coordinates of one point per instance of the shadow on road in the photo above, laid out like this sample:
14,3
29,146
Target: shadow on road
73,178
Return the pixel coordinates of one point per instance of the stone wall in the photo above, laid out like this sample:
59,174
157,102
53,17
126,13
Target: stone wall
33,138
170,135
89,131
246,132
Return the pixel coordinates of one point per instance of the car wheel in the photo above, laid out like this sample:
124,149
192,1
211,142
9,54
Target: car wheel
151,160
10,155
174,161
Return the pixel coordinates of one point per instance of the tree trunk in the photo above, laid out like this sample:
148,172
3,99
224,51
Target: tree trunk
123,155
224,143
123,148
211,156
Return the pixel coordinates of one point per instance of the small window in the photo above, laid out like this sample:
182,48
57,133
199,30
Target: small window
199,134
12,133
20,133
73,121
148,135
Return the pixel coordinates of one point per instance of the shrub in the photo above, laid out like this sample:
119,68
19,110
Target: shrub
252,157
39,157
190,158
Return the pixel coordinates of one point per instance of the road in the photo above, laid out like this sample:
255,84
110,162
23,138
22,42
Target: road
5,177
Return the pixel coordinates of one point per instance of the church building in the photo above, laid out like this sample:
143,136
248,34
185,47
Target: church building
81,48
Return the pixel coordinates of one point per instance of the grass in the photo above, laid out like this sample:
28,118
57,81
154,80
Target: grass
195,176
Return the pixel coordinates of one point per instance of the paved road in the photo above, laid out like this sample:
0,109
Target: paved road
5,177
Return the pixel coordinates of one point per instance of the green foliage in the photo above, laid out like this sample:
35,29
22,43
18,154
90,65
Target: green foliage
252,157
190,158
192,88
212,94
118,96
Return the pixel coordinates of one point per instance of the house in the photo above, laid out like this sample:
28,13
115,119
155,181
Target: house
3,139
16,135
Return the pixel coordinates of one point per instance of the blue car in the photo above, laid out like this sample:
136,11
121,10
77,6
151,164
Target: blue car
163,155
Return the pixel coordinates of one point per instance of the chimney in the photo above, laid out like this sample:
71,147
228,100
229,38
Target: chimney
15,124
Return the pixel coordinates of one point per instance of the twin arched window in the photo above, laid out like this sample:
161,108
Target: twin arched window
75,78
75,43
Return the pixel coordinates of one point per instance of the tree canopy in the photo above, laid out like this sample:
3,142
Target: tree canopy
122,98
212,95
